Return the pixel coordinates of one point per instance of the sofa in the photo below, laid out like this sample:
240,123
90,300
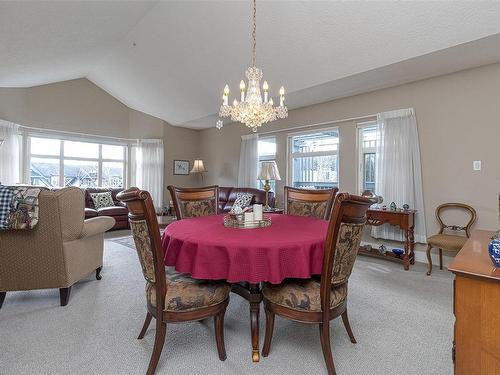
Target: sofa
119,211
227,196
60,250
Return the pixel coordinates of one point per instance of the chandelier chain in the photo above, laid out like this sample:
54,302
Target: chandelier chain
254,32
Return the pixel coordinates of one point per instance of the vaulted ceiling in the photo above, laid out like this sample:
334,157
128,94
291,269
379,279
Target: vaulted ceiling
171,59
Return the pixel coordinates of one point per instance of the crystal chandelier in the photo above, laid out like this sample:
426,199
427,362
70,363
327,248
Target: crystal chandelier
252,110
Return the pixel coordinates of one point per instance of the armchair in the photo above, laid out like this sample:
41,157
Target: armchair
58,252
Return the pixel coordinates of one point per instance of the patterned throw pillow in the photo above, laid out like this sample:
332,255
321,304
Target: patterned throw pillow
102,200
242,200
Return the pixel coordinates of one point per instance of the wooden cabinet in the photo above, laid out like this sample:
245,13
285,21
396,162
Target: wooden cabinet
476,308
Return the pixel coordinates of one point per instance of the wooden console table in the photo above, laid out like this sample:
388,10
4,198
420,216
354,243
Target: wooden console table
476,305
405,219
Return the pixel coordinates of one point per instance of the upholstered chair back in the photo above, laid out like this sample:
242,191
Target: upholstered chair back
455,228
146,233
195,202
304,202
345,229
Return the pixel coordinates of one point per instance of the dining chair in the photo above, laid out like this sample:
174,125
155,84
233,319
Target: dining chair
443,239
195,202
309,202
319,301
171,297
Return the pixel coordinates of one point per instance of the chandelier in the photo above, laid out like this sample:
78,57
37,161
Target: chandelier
252,110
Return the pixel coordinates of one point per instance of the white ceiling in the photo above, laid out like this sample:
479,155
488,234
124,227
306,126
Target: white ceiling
171,59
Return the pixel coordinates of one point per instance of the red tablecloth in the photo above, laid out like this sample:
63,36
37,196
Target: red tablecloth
292,247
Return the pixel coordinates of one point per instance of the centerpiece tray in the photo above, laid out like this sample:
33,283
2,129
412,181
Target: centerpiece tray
237,221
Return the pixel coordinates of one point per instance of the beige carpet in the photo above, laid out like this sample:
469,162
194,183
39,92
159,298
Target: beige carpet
403,322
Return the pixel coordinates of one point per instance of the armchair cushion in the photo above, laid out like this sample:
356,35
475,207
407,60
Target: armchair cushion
302,295
97,225
186,294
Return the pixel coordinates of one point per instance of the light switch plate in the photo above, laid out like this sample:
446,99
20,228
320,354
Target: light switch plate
476,165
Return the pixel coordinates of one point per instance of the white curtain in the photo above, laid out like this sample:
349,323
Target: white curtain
249,161
9,153
149,167
398,175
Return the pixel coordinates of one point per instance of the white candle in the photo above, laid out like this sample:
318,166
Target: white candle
248,219
257,212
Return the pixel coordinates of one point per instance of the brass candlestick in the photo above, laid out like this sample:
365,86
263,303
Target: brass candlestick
267,188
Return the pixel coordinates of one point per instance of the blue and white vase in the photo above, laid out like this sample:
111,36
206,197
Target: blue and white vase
494,250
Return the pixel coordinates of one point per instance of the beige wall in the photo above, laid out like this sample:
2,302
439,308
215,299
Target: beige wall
457,117
79,106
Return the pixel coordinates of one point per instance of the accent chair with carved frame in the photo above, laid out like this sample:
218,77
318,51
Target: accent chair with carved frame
319,301
171,297
309,202
195,202
443,239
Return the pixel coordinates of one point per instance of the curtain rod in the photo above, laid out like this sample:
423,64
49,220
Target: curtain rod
42,130
318,124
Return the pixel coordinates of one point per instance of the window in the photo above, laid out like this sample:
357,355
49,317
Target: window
267,152
57,162
367,149
314,159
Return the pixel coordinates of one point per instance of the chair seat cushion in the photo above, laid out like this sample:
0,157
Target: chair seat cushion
187,294
302,295
447,241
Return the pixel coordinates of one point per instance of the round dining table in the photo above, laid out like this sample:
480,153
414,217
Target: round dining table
291,247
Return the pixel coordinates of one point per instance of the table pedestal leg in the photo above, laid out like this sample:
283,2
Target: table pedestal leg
255,299
253,294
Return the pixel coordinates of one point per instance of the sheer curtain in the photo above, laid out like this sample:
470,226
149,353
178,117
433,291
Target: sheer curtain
398,175
249,161
9,153
149,167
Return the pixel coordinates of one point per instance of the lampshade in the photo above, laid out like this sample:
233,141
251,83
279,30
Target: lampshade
269,171
198,166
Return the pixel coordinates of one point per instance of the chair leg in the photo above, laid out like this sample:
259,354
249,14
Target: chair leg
269,333
440,259
347,326
64,295
324,334
98,273
219,334
161,330
2,298
429,260
145,326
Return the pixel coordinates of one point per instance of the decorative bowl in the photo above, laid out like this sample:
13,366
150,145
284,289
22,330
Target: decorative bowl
398,252
494,251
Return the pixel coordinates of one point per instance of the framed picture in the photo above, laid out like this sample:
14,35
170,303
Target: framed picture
181,167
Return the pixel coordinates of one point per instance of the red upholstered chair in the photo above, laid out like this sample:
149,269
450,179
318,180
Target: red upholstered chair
319,301
171,297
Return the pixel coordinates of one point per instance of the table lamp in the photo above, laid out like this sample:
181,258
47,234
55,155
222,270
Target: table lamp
198,167
268,171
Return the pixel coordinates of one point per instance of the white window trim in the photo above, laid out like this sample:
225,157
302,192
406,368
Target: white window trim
290,154
361,151
61,137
